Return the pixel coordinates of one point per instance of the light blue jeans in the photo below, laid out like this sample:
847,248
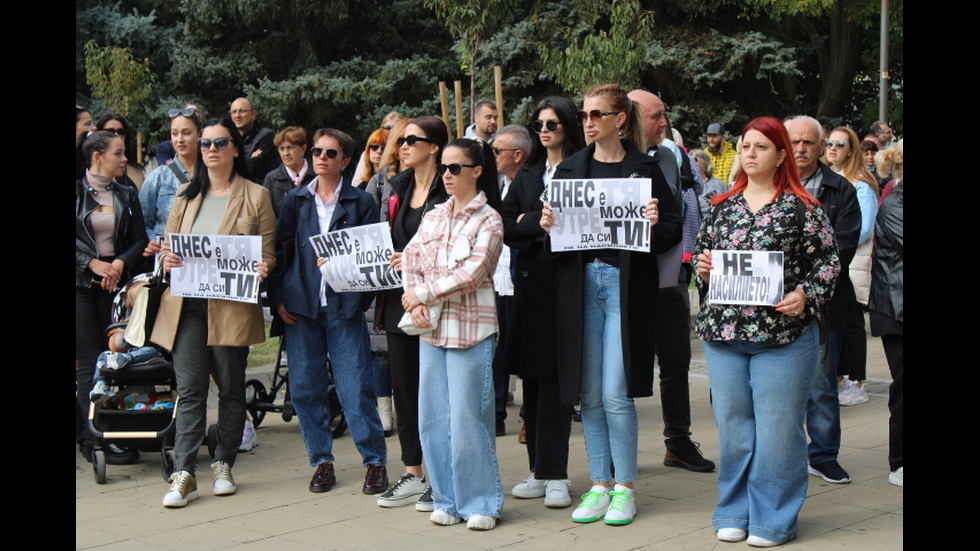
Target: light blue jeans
457,428
609,419
307,344
759,396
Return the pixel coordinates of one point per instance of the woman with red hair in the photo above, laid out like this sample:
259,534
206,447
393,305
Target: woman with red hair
760,358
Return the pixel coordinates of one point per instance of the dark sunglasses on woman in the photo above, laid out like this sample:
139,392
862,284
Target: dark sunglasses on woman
116,131
552,126
330,152
595,114
454,168
220,143
412,140
375,146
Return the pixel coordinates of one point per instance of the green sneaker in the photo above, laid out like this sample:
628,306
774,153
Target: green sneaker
594,504
622,506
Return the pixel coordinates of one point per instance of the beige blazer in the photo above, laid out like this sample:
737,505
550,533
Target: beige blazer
248,212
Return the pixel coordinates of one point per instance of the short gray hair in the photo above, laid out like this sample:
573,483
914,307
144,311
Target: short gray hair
709,167
522,138
789,122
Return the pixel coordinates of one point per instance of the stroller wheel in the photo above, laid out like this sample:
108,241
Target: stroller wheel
254,395
212,440
168,463
98,466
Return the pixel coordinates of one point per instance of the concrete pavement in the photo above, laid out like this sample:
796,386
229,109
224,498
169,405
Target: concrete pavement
274,510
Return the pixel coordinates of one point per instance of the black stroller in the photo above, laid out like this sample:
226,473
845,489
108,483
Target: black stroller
128,417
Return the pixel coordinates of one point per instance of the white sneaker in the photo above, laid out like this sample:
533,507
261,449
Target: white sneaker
530,488
622,506
224,483
249,438
407,490
443,518
481,522
556,494
897,476
852,395
759,541
732,534
183,490
594,505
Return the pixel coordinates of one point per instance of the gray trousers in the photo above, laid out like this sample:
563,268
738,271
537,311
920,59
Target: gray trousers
193,360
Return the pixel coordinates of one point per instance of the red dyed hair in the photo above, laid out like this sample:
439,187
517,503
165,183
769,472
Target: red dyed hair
787,177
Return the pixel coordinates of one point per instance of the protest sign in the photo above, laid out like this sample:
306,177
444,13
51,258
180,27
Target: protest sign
358,258
746,277
601,213
216,266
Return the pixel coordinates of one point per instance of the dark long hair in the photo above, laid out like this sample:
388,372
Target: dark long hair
127,139
478,152
787,177
201,182
435,130
568,117
97,141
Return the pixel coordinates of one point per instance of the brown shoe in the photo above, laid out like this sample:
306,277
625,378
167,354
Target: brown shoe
522,436
376,479
501,427
323,479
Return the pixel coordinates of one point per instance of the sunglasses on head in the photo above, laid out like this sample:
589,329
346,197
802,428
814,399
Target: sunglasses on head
838,143
375,146
412,140
330,152
220,143
455,168
595,114
538,126
185,112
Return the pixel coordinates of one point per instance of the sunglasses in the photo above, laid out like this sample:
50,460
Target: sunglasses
220,143
412,140
595,114
455,168
497,150
538,126
330,152
116,131
839,143
375,147
185,112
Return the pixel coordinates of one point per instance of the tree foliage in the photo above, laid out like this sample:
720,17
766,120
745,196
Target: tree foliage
116,77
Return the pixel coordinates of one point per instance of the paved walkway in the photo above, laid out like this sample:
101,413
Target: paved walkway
274,510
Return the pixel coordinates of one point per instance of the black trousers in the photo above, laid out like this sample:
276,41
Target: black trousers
549,425
894,346
403,358
93,308
673,335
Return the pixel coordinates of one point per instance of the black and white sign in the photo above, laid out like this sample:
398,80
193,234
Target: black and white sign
216,266
357,259
746,277
601,213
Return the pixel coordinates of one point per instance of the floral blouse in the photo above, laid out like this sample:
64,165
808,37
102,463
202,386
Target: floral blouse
810,262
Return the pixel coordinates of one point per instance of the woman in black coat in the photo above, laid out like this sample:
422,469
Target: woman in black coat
605,317
533,342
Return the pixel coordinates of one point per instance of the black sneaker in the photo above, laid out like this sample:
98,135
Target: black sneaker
116,454
830,471
686,454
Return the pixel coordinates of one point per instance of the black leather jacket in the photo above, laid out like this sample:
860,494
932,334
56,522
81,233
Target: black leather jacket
130,234
888,264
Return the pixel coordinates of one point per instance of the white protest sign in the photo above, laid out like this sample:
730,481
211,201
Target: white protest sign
600,213
358,258
216,266
746,277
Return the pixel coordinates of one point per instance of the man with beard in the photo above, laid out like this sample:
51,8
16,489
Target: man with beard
722,152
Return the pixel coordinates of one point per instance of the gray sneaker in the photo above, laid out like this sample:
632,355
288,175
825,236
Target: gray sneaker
425,503
405,491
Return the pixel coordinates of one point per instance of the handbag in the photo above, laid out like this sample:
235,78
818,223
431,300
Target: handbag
406,324
145,308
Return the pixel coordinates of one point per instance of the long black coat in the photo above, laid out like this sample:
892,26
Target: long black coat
638,279
532,336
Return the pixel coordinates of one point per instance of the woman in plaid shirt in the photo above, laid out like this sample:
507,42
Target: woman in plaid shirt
447,276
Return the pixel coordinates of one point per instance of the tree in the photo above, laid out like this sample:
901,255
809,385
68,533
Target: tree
116,78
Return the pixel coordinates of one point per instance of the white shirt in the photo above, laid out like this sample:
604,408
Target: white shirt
324,214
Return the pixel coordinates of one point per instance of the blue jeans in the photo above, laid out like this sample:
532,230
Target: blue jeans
759,395
457,427
823,407
347,342
609,420
133,356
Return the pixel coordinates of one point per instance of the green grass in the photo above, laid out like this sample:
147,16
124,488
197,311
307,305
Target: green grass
264,354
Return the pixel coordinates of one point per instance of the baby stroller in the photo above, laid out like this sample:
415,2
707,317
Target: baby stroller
141,414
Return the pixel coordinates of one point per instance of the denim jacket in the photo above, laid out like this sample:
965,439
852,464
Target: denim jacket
157,198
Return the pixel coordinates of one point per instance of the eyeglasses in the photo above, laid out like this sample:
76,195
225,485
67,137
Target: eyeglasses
839,143
185,112
375,146
330,152
412,140
595,114
497,150
116,131
455,168
236,112
552,126
220,143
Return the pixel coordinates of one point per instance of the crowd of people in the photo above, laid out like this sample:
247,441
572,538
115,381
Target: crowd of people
484,296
